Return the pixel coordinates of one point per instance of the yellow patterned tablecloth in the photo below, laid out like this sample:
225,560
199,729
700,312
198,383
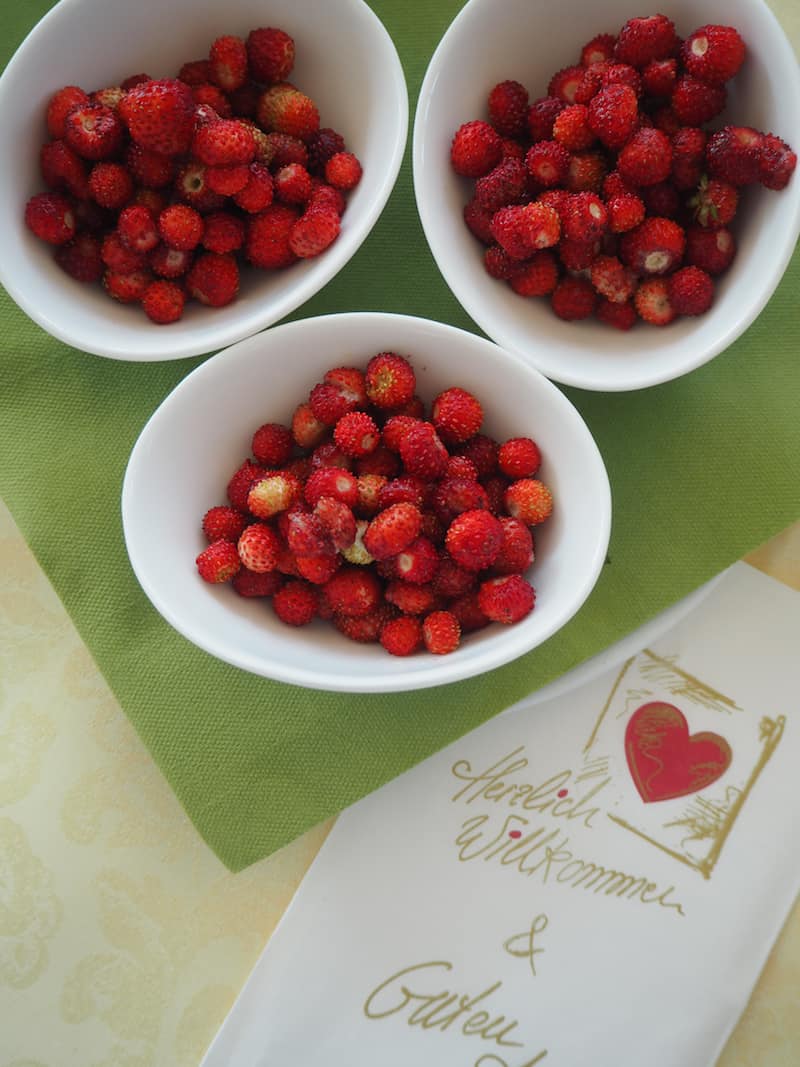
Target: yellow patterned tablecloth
123,940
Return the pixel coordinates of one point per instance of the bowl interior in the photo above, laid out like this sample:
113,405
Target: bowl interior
522,40
345,61
204,428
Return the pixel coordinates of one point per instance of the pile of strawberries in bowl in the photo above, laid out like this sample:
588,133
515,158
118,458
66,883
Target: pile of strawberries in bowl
609,195
161,189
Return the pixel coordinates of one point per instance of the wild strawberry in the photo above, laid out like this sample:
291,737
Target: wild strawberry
524,229
219,562
536,276
329,402
646,158
226,142
324,196
270,54
353,591
694,102
293,184
64,170
621,74
369,487
227,62
307,430
279,149
273,493
337,520
296,603
620,316
519,457
195,72
475,149
258,547
417,562
168,262
547,163
451,580
283,109
516,552
455,495
655,247
228,179
499,264
318,569
564,83
241,482
249,584
305,533
93,131
181,227
624,212
80,258
584,217
331,481
504,184
733,154
474,539
210,96
366,628
456,414
392,530
688,157
776,162
441,632
213,279
571,128
323,144
613,115
401,636
163,301
478,220
652,302
272,444
713,54
406,489
714,203
223,232
191,185
586,172
59,106
541,116
659,77
328,454
267,237
578,255
642,40
159,115
343,171
137,228
223,523
597,50
110,185
612,280
313,232
422,451
482,452
690,290
529,500
468,613
506,599
356,433
51,218
508,108
662,199
409,598
389,380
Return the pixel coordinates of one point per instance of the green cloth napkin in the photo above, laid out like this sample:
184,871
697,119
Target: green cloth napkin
702,470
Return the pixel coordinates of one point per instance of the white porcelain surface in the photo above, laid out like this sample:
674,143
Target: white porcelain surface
528,40
346,62
201,433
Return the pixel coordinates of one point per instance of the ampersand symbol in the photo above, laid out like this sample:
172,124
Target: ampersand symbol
523,946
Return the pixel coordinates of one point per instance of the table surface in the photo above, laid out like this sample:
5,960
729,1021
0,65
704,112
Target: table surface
123,940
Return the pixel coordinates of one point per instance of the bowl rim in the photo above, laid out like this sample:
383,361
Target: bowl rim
690,358
207,337
439,670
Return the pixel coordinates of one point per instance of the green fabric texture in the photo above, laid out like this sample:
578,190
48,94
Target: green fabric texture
702,470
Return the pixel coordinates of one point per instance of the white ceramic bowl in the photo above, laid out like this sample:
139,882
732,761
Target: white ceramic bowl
177,470
528,40
346,62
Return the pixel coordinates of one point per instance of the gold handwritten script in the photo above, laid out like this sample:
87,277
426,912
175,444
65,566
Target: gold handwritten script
542,851
556,796
523,946
415,993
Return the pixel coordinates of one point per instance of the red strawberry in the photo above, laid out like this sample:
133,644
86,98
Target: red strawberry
688,157
468,613
409,598
714,204
93,131
226,142
655,247
646,158
181,227
219,562
195,72
284,109
223,232
313,232
694,102
690,291
249,584
273,493
456,414
597,50
241,482
475,150
529,500
213,279
401,636
482,451
369,487
110,185
652,302
293,184
541,116
63,169
516,552
137,228
318,569
270,54
659,77
168,262
366,628
296,603
80,258
267,238
272,444
455,495
573,298
620,316
572,129
333,482
353,591
625,212
389,380
210,96
613,115
564,83
163,301
519,457
584,217
474,539
392,530
343,171
586,172
257,193
733,154
51,218
525,228
356,434
508,108
59,106
612,280
191,185
328,454
159,115
307,430
713,53
227,60
417,562
323,144
441,632
503,185
776,162
547,163
223,523
337,520
536,276
642,40
258,547
422,451
407,489
506,599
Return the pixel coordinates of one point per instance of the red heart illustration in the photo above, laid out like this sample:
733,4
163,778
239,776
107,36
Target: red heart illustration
665,760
